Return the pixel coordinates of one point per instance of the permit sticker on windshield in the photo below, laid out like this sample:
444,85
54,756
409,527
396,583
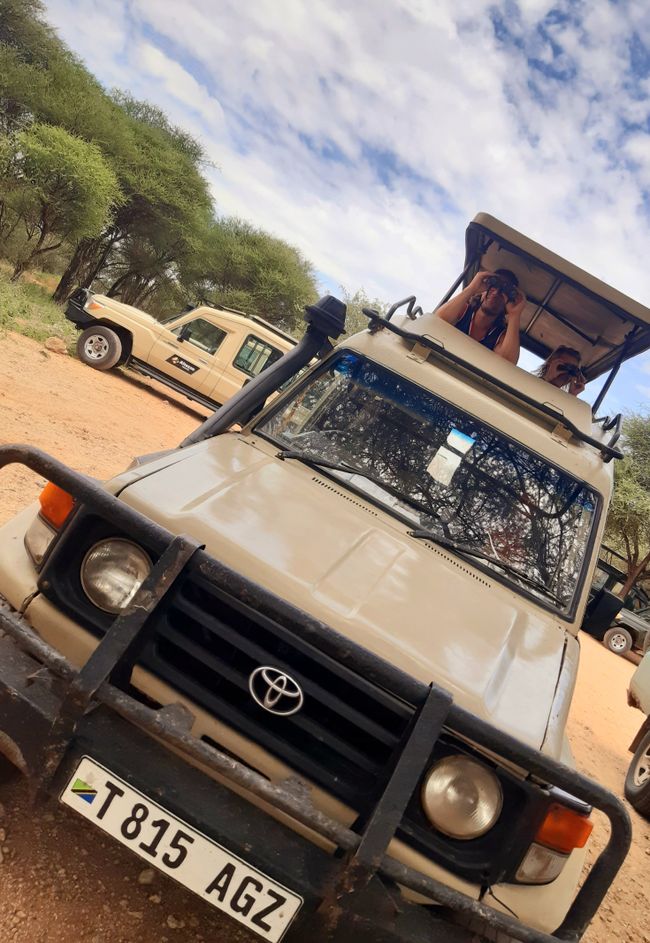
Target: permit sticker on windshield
446,461
460,441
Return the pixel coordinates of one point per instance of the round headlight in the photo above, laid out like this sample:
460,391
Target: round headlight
111,573
461,797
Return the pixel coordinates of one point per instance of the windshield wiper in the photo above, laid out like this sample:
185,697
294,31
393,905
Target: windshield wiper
479,554
316,461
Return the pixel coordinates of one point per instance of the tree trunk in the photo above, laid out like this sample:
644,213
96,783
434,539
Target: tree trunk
69,277
634,573
118,285
88,259
19,268
99,263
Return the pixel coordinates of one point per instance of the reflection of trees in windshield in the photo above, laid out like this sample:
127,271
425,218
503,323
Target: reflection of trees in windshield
474,486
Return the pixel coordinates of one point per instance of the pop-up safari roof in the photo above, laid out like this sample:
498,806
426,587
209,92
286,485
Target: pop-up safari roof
565,304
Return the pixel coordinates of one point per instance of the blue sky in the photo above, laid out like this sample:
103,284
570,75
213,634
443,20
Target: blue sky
369,134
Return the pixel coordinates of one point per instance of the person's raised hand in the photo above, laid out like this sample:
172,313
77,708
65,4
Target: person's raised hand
577,384
477,284
514,308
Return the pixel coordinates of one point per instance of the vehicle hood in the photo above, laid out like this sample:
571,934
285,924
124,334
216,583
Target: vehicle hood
628,617
316,544
135,314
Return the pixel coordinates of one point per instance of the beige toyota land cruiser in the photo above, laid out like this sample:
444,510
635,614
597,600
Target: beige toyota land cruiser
316,663
207,353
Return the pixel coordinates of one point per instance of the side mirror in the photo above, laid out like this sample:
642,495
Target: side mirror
185,333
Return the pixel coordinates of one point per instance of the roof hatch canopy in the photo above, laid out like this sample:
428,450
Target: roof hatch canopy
565,304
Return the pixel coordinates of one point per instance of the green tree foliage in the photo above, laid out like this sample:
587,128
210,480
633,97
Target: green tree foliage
628,521
355,319
243,267
40,80
159,243
167,205
57,186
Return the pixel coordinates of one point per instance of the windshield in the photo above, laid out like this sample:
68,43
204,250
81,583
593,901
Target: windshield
443,470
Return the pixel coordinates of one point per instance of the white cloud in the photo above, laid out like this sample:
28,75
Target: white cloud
462,118
179,84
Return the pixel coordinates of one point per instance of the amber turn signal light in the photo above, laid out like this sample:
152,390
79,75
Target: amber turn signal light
563,829
56,504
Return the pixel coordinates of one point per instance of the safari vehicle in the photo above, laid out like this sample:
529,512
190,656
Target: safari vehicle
620,627
207,353
316,663
630,630
637,781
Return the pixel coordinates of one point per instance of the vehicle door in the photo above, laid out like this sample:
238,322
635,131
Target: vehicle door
188,351
251,356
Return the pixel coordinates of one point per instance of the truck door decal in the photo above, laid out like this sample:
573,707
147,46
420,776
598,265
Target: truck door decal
181,364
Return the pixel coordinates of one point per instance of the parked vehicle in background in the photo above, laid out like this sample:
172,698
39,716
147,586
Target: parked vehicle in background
317,662
207,353
637,781
619,625
630,630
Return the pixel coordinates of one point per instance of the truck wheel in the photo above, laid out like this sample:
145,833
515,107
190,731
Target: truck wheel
617,640
99,347
637,781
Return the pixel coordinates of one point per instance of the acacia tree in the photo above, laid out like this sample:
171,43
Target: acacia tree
628,521
160,245
355,319
166,201
244,267
56,186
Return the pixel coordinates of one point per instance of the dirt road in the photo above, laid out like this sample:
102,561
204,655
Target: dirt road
59,879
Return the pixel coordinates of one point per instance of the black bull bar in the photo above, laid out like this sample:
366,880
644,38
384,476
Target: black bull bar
347,882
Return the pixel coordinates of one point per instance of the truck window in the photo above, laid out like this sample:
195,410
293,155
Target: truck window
445,471
254,355
202,334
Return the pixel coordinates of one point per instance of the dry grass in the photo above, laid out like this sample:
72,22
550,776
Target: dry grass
27,308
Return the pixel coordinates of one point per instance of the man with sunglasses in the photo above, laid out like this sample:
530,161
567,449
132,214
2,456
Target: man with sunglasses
489,310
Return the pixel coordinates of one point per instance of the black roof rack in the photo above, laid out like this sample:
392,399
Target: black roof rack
607,449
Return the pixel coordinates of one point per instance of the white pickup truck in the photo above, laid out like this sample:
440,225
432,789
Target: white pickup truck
206,353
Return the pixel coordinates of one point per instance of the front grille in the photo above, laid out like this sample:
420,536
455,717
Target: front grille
206,644
346,738
346,734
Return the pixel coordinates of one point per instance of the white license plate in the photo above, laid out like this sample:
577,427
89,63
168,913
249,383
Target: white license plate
175,848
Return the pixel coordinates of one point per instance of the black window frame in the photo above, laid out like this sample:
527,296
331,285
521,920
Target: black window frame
259,340
188,340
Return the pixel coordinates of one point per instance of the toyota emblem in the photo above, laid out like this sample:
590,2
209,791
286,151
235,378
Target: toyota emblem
275,691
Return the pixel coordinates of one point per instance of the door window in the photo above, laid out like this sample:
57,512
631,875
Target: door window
254,355
202,334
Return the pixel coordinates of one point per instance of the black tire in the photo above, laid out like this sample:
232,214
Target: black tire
637,781
617,640
99,347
